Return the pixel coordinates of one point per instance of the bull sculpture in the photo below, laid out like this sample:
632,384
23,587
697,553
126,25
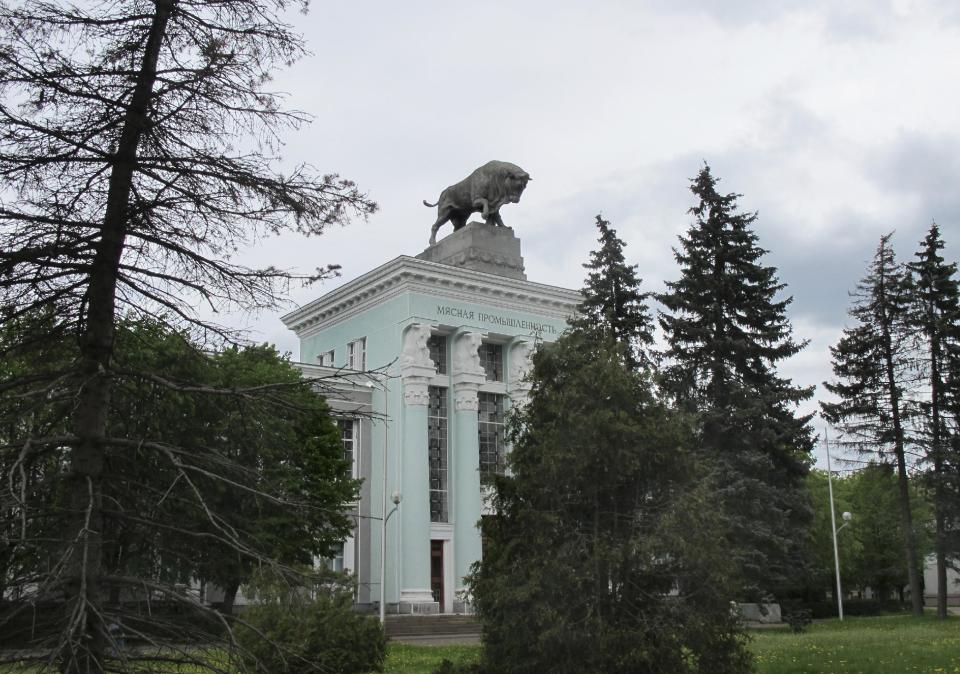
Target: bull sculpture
485,190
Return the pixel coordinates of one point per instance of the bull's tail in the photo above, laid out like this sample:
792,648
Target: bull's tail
428,204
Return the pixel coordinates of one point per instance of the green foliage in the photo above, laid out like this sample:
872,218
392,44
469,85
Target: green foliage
602,555
449,667
870,546
215,464
821,577
264,455
726,332
293,634
613,304
877,529
799,619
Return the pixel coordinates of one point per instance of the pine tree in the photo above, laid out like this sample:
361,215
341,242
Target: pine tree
613,302
726,332
935,318
869,363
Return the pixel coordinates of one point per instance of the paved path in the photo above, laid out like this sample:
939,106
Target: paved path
439,639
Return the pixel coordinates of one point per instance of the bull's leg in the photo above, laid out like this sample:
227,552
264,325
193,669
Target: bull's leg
441,218
495,219
483,206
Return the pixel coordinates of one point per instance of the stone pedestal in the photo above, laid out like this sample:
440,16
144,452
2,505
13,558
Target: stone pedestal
480,247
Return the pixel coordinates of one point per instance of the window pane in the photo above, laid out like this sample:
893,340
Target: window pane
437,452
438,352
490,431
348,440
491,359
356,354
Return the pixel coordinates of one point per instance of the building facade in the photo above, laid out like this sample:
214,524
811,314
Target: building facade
425,356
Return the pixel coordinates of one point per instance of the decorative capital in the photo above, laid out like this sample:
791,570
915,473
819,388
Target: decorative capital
416,391
465,398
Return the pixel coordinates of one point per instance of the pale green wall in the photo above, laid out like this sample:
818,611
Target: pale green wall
383,325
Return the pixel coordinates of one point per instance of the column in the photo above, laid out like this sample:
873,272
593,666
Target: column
467,376
416,369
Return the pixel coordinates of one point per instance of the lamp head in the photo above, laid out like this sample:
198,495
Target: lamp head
846,517
396,497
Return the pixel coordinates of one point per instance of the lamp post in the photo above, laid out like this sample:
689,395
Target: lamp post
396,498
833,526
383,546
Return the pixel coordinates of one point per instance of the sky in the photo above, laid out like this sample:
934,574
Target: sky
836,121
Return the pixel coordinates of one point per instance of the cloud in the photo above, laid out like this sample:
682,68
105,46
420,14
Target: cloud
923,171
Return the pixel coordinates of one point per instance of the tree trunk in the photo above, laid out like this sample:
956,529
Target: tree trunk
906,515
230,597
935,443
85,649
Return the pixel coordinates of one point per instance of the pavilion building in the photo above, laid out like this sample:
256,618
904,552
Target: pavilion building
424,356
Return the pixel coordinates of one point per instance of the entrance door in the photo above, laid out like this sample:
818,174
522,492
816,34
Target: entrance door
436,571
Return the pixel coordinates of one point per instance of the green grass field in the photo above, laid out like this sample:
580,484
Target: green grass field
893,645
886,645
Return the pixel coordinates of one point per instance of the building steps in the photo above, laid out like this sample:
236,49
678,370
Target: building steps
414,626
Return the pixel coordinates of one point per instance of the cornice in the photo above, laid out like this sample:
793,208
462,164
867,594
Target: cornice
409,274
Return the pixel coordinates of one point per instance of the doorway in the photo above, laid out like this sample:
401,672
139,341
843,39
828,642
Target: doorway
436,572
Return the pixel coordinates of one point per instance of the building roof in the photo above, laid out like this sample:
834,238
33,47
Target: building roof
409,274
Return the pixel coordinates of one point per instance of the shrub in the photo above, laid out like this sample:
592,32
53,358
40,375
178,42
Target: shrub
307,635
799,619
851,607
448,667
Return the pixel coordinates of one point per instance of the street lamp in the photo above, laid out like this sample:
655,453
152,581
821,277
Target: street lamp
833,526
396,498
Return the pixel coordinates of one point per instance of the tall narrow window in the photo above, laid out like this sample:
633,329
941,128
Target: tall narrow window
491,359
326,358
335,563
348,437
437,449
490,430
357,354
438,352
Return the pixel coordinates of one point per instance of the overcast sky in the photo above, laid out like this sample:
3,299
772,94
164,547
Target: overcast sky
837,121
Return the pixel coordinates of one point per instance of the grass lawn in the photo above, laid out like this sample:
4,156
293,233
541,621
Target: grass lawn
886,645
404,658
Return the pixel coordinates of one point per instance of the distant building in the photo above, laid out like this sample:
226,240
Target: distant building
445,339
930,583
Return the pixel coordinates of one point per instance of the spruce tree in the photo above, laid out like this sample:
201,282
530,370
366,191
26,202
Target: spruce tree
935,319
726,332
602,555
870,364
613,302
